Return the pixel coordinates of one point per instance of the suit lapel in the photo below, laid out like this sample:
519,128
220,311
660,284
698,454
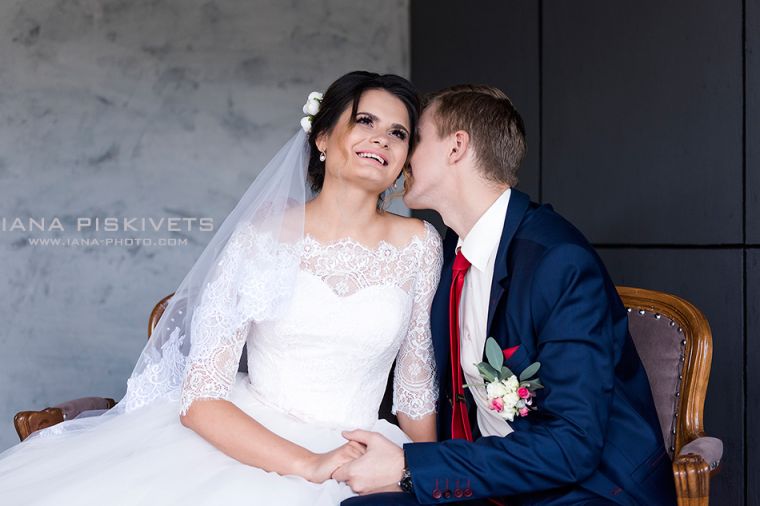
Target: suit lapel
518,206
440,310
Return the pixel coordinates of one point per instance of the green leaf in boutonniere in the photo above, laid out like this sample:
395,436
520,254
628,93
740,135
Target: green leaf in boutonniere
488,372
494,354
534,384
506,372
530,371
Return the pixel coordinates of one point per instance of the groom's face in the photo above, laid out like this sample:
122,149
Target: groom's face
427,165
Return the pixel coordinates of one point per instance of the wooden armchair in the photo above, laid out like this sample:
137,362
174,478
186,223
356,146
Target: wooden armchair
674,342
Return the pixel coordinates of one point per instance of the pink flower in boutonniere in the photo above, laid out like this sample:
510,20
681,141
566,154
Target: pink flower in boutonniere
508,395
497,404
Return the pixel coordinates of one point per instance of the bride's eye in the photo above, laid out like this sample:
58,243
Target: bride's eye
364,120
401,134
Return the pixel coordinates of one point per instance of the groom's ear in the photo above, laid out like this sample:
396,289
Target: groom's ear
460,144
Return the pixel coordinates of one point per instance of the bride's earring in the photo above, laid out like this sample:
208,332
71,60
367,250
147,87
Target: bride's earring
322,156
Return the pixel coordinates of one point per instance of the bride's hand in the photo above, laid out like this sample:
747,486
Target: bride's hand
321,466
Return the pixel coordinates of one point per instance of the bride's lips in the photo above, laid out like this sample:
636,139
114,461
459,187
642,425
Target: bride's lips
374,156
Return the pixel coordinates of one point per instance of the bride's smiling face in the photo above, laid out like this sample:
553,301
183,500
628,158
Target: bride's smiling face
371,148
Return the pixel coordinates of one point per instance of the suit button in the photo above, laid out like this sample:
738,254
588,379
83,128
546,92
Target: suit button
467,492
436,494
458,493
446,494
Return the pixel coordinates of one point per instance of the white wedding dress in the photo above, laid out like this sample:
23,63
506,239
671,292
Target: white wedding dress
319,369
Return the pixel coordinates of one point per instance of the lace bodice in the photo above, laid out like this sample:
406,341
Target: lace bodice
327,354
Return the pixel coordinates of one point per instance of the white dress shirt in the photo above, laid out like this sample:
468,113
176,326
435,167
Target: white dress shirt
480,247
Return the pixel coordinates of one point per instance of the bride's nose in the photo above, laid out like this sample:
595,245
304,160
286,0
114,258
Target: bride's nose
381,140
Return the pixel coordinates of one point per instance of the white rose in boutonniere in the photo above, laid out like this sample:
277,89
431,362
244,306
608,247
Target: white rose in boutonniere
496,389
510,399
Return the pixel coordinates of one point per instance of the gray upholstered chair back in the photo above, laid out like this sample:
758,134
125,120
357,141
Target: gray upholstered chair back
661,344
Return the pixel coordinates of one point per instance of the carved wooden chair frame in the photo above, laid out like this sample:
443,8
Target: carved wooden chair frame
691,472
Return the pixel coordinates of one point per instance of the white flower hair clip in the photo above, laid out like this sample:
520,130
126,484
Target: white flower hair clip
310,109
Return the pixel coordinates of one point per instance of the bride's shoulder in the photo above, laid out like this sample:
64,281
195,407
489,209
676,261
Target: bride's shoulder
404,230
282,225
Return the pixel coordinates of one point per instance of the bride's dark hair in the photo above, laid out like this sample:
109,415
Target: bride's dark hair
347,90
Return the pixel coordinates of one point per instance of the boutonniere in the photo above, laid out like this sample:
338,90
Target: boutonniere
508,395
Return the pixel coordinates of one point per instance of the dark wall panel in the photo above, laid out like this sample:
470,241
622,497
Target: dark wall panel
648,133
642,119
712,281
753,377
753,121
495,43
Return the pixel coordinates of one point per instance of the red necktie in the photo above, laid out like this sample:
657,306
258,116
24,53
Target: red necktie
460,422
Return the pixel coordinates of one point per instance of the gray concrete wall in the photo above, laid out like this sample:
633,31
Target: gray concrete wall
142,108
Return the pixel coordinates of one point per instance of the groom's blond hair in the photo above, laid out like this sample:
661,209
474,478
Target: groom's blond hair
496,130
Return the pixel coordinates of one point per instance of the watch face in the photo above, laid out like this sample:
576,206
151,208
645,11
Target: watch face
405,484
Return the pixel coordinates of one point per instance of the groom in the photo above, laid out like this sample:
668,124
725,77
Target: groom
518,272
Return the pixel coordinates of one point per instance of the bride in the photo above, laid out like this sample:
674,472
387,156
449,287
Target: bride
324,287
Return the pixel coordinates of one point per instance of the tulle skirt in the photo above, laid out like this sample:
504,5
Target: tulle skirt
147,457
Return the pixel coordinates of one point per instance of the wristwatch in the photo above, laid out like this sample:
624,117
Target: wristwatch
405,484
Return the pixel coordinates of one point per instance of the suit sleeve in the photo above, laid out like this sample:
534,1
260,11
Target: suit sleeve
562,442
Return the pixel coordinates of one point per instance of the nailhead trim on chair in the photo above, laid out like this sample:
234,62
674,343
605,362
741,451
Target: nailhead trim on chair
682,359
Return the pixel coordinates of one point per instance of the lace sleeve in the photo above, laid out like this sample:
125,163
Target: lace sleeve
218,330
414,387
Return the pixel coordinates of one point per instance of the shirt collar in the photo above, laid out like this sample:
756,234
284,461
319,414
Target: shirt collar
483,239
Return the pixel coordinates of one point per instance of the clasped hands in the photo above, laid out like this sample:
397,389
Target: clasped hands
368,463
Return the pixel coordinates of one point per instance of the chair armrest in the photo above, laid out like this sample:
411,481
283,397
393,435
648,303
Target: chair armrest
27,422
73,408
692,468
709,448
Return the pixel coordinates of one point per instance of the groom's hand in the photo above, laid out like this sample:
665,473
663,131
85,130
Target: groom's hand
378,470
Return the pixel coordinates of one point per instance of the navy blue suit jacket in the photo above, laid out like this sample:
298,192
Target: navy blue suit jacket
595,434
